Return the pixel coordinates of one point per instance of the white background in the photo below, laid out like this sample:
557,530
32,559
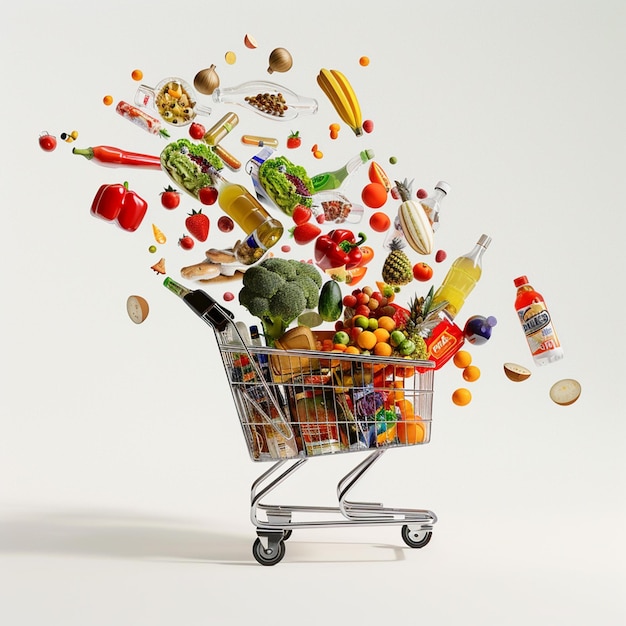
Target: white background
124,479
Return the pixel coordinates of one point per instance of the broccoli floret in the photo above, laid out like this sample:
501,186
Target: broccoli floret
307,270
282,267
277,291
288,302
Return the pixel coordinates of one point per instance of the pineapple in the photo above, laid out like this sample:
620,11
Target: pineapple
397,269
423,318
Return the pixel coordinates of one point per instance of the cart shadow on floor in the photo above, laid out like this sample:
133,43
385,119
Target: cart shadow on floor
125,535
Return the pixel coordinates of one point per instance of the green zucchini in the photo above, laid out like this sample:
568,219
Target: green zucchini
330,304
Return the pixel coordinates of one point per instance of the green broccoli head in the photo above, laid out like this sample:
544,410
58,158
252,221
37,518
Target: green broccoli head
277,291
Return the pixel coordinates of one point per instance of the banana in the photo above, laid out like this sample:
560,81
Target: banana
352,99
334,91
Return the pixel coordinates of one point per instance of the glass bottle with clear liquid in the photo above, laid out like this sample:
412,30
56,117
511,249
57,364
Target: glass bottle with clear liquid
461,278
263,231
432,204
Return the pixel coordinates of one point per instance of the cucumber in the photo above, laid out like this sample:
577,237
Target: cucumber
330,304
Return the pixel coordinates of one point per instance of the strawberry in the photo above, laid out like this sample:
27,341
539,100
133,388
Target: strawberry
301,214
305,233
294,140
207,195
198,225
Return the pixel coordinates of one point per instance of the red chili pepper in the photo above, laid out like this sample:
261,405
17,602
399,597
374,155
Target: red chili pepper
338,248
115,157
117,202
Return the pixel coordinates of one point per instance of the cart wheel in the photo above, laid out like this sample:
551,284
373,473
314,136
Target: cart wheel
287,534
272,555
416,538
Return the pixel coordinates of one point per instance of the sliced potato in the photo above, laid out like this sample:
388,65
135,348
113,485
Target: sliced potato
516,373
565,392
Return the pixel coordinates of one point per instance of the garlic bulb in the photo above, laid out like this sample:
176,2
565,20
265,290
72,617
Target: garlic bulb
206,81
280,60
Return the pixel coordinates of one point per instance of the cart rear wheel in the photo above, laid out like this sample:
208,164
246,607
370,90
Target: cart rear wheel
416,538
274,553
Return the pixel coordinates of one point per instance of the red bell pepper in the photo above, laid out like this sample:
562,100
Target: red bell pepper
117,202
338,248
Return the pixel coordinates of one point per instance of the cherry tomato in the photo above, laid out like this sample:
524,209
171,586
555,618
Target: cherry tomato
47,142
186,242
225,224
208,195
422,271
170,198
197,131
294,140
380,222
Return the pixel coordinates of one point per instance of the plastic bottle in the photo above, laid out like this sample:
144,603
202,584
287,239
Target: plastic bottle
536,323
461,278
262,230
216,133
333,180
432,204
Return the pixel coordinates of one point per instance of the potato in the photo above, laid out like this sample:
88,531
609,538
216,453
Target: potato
565,392
516,373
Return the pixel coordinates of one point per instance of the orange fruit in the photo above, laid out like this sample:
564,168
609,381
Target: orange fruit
137,75
410,431
382,334
461,396
462,359
387,322
366,340
352,350
471,373
382,348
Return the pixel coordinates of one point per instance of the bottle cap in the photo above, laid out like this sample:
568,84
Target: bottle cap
484,241
522,280
369,154
443,185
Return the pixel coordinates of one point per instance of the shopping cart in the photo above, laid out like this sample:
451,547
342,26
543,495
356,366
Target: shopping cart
296,405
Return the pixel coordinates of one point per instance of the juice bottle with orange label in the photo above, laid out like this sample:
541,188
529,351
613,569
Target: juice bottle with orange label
536,323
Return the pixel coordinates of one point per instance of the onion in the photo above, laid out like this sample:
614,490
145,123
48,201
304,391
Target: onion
206,81
280,60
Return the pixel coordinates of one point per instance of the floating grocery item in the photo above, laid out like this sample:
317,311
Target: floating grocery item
267,99
339,91
565,392
462,277
432,204
477,329
218,131
516,373
280,60
536,323
47,142
173,99
413,220
334,207
137,308
206,81
255,140
141,118
117,203
110,156
337,178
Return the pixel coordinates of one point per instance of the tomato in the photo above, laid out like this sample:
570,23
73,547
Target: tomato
380,222
294,140
186,242
47,142
422,271
207,195
170,198
197,131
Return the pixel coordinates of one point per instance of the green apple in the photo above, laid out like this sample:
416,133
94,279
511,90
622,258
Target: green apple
360,321
341,337
396,338
406,347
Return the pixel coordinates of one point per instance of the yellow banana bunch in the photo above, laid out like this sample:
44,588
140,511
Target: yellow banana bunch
341,95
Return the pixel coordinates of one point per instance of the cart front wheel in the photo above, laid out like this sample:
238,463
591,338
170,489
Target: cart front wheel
270,556
416,538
